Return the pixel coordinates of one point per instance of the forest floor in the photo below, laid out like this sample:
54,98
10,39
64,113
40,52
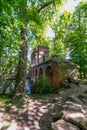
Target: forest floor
39,112
34,113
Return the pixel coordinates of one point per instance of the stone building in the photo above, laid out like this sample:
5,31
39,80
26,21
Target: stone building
53,68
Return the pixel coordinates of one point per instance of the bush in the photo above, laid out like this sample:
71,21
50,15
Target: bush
7,86
43,85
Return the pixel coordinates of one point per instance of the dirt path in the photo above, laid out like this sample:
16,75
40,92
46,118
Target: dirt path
33,114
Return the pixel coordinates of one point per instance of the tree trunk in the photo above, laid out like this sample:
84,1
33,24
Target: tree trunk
22,65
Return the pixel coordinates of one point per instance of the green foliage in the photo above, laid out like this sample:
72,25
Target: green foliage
59,27
76,39
7,99
9,42
43,85
15,16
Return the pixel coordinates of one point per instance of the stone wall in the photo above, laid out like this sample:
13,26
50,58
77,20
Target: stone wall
62,69
73,112
54,68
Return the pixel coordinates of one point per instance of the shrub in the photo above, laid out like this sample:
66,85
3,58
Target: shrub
43,85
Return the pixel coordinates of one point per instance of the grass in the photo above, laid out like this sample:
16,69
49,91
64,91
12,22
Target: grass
7,98
37,96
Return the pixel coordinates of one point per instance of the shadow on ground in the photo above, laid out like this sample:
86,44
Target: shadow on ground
30,114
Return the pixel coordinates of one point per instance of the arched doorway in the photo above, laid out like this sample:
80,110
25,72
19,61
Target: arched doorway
40,71
36,72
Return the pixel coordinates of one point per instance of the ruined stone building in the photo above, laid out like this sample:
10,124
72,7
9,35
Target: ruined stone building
53,68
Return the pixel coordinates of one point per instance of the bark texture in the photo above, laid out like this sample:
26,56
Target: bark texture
21,72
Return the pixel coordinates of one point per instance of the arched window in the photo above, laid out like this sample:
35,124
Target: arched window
40,71
48,71
36,72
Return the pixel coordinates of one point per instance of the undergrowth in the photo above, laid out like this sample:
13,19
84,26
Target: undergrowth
7,98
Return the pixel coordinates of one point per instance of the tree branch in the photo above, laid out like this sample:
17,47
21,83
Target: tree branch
45,5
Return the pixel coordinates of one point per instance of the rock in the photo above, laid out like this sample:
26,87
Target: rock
85,92
75,113
75,99
63,125
83,98
73,107
71,80
77,119
64,83
83,88
72,85
69,83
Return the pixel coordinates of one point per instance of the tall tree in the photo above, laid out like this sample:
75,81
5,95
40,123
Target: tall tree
27,11
76,39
